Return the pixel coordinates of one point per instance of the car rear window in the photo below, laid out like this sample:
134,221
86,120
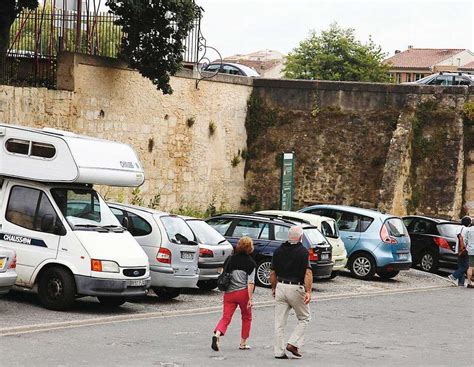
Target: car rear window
396,227
314,236
450,230
205,233
177,230
329,229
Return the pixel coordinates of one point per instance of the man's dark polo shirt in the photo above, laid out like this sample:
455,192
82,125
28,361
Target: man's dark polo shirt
290,262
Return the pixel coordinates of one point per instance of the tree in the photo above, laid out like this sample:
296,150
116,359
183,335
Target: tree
9,10
335,54
154,35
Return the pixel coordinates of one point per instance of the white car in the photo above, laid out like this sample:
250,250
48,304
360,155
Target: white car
7,269
169,243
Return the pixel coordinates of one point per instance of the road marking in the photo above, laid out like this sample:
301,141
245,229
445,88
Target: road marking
20,330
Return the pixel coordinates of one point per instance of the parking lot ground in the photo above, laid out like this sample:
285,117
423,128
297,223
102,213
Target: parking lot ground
20,309
409,328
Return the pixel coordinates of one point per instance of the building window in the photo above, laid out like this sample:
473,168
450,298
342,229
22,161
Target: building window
418,76
399,78
408,77
390,77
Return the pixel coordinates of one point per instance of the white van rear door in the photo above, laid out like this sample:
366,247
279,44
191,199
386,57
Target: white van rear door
27,225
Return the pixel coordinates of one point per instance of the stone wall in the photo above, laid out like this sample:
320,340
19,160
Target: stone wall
186,164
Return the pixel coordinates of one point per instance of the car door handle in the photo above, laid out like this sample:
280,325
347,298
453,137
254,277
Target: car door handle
351,238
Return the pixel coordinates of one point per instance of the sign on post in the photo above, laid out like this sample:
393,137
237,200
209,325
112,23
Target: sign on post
287,181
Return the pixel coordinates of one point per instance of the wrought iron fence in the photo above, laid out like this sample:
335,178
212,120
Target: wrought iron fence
38,36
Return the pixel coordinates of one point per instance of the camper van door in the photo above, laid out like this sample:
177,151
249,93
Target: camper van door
28,222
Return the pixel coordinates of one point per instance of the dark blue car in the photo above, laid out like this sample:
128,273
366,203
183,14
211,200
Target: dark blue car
268,234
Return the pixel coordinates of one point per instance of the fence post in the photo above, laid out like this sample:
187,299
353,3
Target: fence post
78,26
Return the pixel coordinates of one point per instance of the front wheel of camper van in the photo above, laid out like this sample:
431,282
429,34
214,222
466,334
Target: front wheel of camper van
56,289
166,294
112,302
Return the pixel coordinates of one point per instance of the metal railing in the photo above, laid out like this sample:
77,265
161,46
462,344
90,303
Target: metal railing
38,36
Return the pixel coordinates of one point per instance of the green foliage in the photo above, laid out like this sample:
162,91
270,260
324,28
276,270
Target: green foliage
136,198
468,111
335,54
244,153
235,160
251,202
155,32
212,128
155,202
190,121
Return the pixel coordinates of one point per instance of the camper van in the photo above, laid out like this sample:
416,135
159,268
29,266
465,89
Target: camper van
68,242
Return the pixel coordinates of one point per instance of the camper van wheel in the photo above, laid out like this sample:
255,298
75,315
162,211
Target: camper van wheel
112,301
56,289
165,293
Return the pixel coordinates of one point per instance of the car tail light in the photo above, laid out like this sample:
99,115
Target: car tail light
164,256
385,236
313,255
13,263
204,252
441,242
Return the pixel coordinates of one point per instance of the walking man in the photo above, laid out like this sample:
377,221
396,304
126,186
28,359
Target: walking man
463,261
292,280
469,243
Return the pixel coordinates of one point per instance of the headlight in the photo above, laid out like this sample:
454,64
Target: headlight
104,266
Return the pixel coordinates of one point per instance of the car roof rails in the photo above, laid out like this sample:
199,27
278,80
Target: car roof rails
286,217
257,215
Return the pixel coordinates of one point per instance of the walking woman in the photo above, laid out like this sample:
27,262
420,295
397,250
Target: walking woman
239,293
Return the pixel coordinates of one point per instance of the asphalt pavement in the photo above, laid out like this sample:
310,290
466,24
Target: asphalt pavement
408,328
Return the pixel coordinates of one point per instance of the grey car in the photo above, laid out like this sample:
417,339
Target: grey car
213,251
169,243
7,269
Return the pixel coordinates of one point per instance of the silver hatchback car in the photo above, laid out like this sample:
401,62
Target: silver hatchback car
7,269
213,251
169,243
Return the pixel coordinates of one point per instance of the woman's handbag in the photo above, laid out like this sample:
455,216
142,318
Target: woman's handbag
223,281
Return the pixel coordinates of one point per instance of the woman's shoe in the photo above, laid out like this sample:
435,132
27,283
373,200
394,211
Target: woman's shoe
215,343
245,347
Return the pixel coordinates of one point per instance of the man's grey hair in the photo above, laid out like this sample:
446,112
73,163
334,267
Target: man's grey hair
294,234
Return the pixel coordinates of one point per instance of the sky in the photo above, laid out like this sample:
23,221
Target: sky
244,26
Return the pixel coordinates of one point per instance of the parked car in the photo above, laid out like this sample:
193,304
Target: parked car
446,79
375,242
232,69
268,234
213,251
433,242
169,243
7,269
327,226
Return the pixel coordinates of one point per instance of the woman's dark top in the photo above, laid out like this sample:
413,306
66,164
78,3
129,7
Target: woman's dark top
242,268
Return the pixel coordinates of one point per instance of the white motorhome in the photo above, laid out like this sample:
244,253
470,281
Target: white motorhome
68,242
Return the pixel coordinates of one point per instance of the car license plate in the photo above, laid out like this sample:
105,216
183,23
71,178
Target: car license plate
402,256
137,283
2,263
187,255
324,256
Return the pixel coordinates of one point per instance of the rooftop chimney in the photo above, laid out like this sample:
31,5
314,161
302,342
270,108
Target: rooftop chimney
410,47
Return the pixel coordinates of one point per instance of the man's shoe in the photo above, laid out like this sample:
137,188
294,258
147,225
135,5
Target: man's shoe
215,343
284,356
293,350
470,286
452,280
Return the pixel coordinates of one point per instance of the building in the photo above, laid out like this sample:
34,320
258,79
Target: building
468,68
416,63
268,63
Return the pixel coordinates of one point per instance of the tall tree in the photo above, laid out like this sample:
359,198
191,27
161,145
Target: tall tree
154,35
335,54
9,10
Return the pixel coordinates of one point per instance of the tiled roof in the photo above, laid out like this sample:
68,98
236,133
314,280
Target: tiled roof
421,57
469,66
257,65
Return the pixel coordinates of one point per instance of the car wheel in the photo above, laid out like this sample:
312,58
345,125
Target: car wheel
429,261
112,302
388,274
57,289
334,274
167,294
362,266
263,273
207,285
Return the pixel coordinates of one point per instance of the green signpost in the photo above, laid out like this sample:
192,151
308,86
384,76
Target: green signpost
287,181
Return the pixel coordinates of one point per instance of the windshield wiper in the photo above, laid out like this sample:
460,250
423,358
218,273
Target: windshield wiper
115,228
222,241
91,227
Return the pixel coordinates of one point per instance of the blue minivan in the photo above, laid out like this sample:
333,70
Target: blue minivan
375,242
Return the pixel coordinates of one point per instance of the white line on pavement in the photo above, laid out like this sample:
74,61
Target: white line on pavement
20,330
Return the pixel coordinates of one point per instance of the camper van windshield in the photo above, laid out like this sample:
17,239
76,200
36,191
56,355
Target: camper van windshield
84,209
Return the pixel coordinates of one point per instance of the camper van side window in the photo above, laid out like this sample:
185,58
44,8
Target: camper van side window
18,146
42,150
30,208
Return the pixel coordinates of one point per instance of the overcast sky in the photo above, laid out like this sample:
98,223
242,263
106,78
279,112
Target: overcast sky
243,26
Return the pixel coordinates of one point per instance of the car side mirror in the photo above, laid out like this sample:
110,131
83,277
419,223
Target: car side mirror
125,222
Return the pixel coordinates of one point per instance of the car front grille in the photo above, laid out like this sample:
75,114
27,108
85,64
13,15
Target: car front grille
134,272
